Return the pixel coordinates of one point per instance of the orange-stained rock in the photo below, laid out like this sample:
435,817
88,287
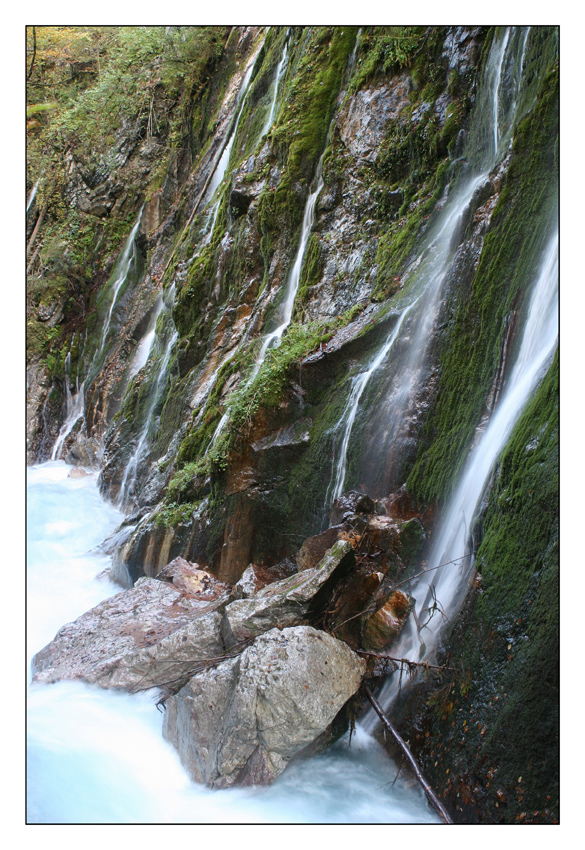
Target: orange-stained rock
387,622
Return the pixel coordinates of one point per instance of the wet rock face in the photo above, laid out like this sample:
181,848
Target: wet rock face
363,122
242,722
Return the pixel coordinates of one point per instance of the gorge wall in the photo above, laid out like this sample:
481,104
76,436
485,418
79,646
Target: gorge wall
224,237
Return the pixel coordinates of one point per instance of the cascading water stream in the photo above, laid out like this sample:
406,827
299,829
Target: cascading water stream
273,338
348,417
123,267
428,273
280,72
294,278
144,348
155,395
498,77
32,195
224,160
76,404
449,565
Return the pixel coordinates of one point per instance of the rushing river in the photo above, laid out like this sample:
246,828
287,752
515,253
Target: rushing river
98,756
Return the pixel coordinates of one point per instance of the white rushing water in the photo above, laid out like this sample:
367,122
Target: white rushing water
224,160
278,77
98,756
426,277
159,381
448,584
122,268
75,409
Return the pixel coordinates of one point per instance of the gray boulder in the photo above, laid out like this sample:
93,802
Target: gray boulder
141,638
242,722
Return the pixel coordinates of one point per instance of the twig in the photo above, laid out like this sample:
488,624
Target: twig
430,570
405,749
406,661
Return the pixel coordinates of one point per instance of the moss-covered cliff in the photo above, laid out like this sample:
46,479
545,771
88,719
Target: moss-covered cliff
227,453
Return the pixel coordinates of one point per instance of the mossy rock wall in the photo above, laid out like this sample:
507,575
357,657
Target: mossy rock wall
487,732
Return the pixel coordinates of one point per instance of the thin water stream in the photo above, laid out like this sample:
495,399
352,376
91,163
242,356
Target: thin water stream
158,381
278,77
75,409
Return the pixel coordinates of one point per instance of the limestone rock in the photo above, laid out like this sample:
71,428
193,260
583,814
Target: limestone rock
287,602
137,639
242,722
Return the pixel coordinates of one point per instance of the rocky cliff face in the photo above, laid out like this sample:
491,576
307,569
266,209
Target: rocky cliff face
226,453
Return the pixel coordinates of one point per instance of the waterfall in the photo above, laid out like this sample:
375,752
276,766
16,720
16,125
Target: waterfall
425,278
286,308
221,167
348,417
122,269
32,195
144,347
449,566
155,394
498,76
280,72
273,338
76,404
75,408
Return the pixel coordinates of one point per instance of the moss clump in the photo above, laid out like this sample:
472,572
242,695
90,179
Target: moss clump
266,389
312,269
385,50
512,249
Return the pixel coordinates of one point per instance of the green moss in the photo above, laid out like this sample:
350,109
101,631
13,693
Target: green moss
510,643
385,50
509,261
312,269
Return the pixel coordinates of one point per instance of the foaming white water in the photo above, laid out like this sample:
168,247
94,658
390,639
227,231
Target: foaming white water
98,756
449,567
66,518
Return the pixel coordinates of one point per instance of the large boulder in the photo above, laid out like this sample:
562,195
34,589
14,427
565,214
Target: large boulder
148,636
288,602
242,722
